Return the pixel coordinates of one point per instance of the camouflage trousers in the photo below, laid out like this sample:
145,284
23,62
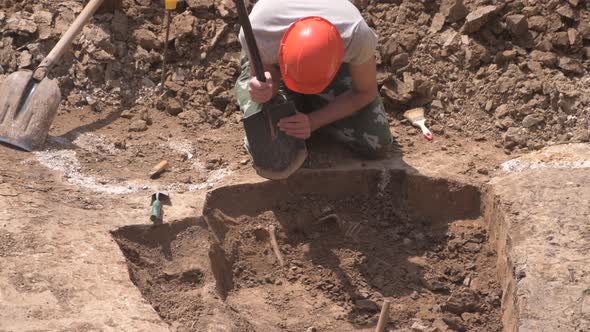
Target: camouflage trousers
366,131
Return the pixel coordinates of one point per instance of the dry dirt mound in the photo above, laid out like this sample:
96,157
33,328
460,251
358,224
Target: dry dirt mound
514,72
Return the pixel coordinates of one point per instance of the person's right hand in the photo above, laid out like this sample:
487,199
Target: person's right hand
260,92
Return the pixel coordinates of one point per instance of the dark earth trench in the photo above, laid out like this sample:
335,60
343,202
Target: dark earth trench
349,239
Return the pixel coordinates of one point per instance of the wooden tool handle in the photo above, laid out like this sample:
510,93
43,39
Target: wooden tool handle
383,317
250,40
67,39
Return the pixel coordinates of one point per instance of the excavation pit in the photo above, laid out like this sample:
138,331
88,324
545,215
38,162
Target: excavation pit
349,240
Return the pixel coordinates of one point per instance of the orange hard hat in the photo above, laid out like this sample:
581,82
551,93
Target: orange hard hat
310,55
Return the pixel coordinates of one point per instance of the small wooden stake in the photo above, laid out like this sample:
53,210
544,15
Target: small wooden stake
275,245
383,317
158,169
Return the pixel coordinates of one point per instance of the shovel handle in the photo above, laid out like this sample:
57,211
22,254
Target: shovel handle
250,40
66,40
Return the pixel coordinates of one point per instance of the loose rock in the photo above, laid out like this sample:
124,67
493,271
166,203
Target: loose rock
138,125
546,58
438,21
566,11
174,107
532,120
537,23
146,39
21,26
478,18
571,65
366,305
513,137
453,10
518,25
24,60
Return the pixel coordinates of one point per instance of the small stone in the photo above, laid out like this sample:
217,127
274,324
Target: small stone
560,39
436,104
24,59
127,114
583,135
537,23
366,305
437,129
213,89
453,10
146,39
545,58
21,26
513,137
584,29
571,65
462,300
438,21
414,295
518,25
400,60
587,52
407,242
138,125
566,11
227,8
574,3
420,327
478,18
467,280
174,107
532,120
311,329
200,5
572,35
505,56
244,161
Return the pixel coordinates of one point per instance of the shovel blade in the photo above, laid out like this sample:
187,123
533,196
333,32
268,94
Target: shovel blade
27,109
276,155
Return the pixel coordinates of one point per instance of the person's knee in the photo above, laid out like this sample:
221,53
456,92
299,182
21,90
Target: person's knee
374,146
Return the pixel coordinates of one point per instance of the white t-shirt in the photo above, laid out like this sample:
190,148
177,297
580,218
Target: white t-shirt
270,19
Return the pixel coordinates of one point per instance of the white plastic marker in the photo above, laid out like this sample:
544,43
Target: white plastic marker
416,117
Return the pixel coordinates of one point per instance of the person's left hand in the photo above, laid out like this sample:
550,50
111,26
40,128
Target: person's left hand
298,125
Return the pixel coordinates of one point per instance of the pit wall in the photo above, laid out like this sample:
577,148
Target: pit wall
428,198
494,216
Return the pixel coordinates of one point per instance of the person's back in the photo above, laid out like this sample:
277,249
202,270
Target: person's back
270,19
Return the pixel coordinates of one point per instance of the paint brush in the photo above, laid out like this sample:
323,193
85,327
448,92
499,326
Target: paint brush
416,117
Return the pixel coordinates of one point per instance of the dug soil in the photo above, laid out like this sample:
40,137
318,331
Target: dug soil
342,260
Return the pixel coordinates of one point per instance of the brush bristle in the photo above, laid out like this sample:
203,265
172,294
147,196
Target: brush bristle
414,114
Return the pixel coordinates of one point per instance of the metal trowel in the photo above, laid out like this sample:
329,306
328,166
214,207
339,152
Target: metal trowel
275,154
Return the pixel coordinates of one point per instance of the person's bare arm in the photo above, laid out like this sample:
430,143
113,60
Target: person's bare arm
363,92
258,89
